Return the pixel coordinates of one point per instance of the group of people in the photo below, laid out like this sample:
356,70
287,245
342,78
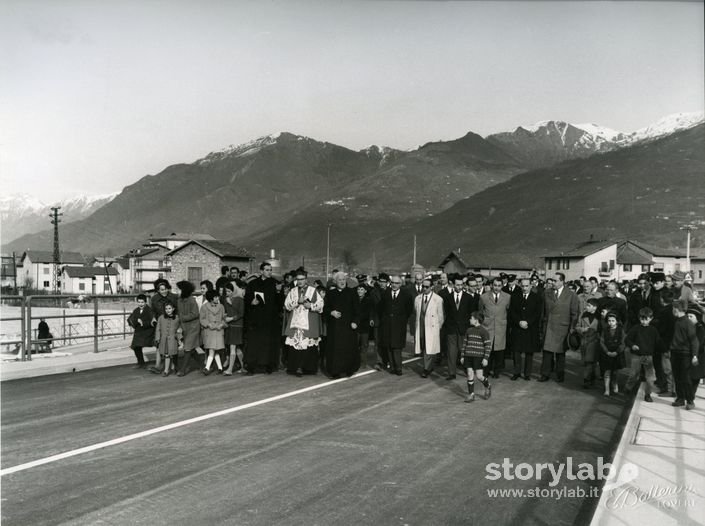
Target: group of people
471,323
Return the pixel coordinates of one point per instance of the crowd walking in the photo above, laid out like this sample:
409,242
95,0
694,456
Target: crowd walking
262,324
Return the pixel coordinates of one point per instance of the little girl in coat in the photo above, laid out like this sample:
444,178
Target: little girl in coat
212,329
612,357
167,335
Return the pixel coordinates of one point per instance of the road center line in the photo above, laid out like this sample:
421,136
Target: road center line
175,425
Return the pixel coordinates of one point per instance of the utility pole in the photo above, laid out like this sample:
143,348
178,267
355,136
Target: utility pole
688,229
328,253
55,277
414,249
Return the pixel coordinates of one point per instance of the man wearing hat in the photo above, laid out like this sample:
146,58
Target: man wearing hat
375,299
680,291
512,287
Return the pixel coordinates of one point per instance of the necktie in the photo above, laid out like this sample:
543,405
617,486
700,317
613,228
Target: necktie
394,295
457,300
496,298
526,297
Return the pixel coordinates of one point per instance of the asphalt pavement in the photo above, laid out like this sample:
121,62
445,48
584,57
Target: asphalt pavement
372,449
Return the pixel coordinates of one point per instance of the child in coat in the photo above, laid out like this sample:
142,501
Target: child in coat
167,335
234,317
142,321
212,329
612,355
588,327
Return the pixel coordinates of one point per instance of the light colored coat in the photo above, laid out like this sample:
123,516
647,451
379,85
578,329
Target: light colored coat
495,318
561,315
433,321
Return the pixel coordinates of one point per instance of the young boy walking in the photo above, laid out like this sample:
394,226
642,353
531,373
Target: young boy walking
684,354
643,342
476,353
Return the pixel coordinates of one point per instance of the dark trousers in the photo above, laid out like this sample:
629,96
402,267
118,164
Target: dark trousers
363,341
528,363
186,362
681,375
139,355
658,369
395,360
548,361
382,351
304,359
455,343
496,362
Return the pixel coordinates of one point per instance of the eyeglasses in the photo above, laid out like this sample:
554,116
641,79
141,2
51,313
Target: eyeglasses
426,286
395,282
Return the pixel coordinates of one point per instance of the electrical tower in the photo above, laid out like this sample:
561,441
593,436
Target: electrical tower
55,276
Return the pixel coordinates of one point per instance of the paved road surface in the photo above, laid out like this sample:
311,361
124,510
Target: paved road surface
374,449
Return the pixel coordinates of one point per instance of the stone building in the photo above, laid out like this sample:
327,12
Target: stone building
196,260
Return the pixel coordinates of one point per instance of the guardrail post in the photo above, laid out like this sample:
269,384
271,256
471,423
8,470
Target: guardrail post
28,329
95,324
23,329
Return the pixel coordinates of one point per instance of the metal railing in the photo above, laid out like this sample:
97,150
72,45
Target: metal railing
98,325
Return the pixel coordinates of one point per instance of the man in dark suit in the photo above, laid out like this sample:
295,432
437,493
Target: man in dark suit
457,308
444,288
643,297
524,320
512,287
395,307
473,291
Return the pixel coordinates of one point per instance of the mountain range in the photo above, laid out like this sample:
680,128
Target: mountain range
283,190
22,214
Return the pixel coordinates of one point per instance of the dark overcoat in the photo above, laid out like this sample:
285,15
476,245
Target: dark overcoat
144,332
529,310
393,318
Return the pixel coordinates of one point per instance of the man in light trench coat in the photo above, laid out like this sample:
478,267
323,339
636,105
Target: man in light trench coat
428,314
561,312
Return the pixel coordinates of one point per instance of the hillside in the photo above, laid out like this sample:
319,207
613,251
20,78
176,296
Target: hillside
646,192
252,189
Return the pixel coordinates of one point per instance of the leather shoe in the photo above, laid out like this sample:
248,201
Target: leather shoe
424,373
398,373
527,378
514,377
450,377
543,378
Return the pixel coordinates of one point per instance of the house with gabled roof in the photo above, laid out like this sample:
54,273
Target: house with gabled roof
462,261
666,260
146,264
89,280
37,266
591,258
198,260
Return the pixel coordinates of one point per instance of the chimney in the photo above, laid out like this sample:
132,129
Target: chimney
272,254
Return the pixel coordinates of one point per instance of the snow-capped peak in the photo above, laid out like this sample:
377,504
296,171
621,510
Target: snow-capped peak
667,125
248,148
533,128
21,201
603,132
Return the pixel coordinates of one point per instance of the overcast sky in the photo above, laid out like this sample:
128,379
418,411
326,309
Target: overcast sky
96,94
